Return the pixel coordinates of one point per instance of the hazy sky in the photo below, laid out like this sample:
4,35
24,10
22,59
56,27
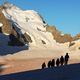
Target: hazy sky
64,14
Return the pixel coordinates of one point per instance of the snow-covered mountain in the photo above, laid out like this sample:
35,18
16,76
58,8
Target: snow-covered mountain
28,22
29,28
25,33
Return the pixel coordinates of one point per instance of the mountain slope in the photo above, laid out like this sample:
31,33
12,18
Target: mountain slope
29,23
70,72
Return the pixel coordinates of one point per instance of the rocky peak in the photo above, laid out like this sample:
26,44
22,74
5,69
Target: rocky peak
7,5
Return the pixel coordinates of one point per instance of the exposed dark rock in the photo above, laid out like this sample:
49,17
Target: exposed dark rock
14,41
28,38
79,48
43,42
71,44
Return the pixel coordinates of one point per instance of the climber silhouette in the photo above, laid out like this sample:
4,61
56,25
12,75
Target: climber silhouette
43,65
53,63
61,60
49,64
57,62
66,58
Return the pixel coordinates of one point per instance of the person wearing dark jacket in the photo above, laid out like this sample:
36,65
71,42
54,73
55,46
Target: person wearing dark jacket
49,64
57,62
43,65
66,58
53,63
61,60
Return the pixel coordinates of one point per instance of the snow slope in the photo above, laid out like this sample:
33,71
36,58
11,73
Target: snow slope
69,72
5,49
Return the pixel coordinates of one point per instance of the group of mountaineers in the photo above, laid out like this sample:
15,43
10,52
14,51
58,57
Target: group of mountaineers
59,62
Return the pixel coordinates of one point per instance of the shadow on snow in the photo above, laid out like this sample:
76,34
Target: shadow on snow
67,72
5,49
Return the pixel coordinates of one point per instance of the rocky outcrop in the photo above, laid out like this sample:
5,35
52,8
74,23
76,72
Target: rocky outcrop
58,36
6,26
76,37
27,37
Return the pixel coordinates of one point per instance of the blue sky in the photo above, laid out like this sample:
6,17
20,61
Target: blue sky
64,14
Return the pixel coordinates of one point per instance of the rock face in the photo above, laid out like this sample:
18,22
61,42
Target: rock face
77,37
58,36
6,26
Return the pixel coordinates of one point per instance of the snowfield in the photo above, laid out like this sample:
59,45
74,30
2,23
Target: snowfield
70,72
